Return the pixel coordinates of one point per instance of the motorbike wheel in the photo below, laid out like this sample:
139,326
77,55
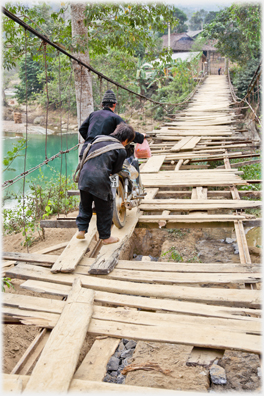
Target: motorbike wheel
119,210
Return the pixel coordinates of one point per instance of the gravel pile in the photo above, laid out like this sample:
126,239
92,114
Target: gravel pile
120,359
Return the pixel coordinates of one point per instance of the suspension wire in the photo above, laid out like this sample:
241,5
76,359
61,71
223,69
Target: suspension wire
47,94
25,157
89,67
7,183
60,197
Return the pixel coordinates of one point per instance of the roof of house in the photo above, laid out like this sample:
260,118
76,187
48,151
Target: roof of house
182,42
193,33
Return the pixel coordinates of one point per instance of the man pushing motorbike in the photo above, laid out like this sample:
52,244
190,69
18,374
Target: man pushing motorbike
101,158
94,183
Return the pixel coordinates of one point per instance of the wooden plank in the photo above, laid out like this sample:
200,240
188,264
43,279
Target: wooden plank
125,315
93,366
178,146
202,218
183,335
76,385
108,255
12,385
75,250
179,163
153,164
151,193
30,257
191,143
242,243
151,304
156,205
242,298
56,365
179,278
57,224
203,356
53,248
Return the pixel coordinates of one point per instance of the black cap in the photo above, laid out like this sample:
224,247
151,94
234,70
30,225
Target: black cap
109,96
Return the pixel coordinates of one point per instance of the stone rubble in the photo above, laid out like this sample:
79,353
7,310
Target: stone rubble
121,358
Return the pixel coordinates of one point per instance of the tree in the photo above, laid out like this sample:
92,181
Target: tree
210,17
82,76
237,30
197,20
28,74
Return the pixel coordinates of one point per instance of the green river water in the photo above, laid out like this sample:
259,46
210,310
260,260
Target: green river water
35,155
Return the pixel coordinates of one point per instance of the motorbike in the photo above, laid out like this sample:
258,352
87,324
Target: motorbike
127,190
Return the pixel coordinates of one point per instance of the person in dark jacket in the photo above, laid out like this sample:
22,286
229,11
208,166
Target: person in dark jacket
104,122
95,185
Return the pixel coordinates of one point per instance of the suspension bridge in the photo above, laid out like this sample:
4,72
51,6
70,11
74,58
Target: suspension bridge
213,306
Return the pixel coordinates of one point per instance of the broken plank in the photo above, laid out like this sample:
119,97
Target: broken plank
108,255
153,164
75,250
178,146
56,365
191,143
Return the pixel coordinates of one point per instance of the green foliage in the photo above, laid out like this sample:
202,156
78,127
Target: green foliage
182,84
47,197
125,26
11,155
177,233
173,254
241,76
251,172
6,282
237,30
29,81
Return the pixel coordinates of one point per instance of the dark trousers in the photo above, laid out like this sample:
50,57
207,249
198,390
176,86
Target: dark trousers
104,212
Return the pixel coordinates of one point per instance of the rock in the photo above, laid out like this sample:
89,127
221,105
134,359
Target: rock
113,364
117,354
236,251
131,344
126,354
38,120
259,372
121,346
125,341
229,240
222,249
217,374
108,378
222,240
114,373
120,379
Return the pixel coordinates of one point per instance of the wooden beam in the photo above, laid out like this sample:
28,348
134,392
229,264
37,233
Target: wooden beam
245,298
56,365
108,255
93,366
75,250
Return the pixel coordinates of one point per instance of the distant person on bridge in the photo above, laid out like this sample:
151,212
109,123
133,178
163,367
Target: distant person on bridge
219,71
104,122
106,157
